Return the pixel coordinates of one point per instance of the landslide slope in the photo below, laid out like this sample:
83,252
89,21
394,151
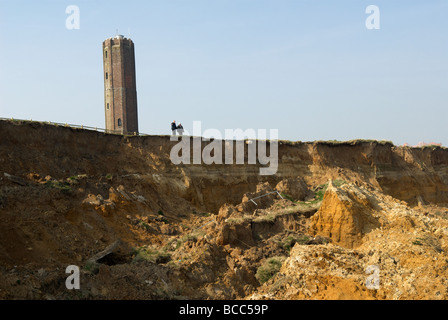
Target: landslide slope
380,249
191,231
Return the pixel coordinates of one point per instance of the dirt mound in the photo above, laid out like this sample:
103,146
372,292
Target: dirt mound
346,215
295,189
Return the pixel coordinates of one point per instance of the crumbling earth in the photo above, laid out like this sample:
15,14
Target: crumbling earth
355,220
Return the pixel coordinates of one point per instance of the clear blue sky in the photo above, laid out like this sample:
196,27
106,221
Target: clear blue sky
310,69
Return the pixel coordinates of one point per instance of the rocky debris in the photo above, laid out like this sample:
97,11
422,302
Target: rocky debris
117,196
296,189
263,197
334,272
236,234
404,257
227,211
103,206
180,242
269,253
318,272
245,224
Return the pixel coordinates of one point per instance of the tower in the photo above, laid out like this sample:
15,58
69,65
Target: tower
120,91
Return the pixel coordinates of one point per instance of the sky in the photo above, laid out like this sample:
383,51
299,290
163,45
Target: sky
310,69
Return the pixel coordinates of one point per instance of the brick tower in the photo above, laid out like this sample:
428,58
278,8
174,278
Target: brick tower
120,91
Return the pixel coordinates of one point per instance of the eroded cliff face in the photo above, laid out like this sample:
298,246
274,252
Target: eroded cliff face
410,174
192,231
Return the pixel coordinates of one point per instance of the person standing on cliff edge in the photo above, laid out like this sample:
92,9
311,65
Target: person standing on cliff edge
173,127
180,129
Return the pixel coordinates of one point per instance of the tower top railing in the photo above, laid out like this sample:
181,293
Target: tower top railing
77,126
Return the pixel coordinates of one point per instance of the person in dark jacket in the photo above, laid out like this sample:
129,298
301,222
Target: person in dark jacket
180,129
173,127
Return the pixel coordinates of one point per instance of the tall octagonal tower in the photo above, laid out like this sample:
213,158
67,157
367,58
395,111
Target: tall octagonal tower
120,90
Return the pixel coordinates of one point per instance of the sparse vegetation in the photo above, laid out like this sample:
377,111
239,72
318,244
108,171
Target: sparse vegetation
428,241
189,237
290,241
146,254
178,244
286,196
164,220
54,184
202,214
235,220
303,240
337,183
268,269
270,217
320,190
145,226
91,266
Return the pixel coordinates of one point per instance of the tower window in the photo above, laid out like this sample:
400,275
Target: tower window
107,106
119,122
106,53
107,76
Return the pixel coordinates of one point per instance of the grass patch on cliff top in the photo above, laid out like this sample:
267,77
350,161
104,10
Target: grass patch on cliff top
353,142
336,142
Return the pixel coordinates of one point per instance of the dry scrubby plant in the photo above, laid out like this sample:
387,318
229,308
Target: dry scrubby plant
269,268
146,254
